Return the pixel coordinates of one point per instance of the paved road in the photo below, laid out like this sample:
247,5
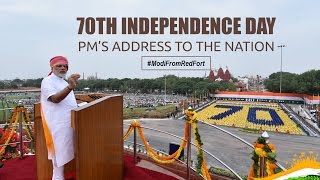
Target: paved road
231,151
297,109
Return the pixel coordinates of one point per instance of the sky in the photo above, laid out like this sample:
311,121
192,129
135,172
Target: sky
34,31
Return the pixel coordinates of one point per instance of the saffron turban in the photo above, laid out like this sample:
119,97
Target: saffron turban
58,60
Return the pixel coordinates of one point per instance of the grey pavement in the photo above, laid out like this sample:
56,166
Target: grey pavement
302,112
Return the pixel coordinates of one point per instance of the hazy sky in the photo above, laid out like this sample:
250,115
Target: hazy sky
33,31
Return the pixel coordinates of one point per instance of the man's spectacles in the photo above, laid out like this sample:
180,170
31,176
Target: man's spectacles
61,65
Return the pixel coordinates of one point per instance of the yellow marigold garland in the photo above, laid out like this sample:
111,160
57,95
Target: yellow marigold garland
154,155
190,118
263,149
128,133
2,150
14,115
25,117
158,158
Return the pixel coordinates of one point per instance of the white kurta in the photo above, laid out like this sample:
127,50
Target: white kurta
58,118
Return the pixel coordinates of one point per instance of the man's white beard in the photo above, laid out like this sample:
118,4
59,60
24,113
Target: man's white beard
62,75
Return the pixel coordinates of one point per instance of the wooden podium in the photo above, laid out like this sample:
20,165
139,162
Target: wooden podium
98,140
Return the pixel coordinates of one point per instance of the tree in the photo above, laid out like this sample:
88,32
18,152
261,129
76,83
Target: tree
213,87
307,82
2,85
311,81
183,87
32,83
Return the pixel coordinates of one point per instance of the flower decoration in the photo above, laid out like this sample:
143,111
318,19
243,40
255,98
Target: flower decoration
190,119
8,140
9,137
262,149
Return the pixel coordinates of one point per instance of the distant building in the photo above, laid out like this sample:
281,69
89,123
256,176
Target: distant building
241,86
221,75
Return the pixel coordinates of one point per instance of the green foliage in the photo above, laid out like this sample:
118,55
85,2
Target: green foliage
305,178
266,148
248,130
224,172
255,159
261,140
200,143
189,86
195,87
277,170
200,161
255,156
32,83
272,155
307,82
198,138
159,112
2,85
200,151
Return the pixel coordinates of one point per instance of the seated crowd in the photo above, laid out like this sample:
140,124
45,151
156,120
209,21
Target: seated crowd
261,117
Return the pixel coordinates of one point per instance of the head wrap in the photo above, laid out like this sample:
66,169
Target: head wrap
58,60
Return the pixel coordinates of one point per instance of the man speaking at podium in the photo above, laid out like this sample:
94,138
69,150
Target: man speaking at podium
57,101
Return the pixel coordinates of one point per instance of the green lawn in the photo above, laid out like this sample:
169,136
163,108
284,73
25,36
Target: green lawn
3,105
128,113
159,112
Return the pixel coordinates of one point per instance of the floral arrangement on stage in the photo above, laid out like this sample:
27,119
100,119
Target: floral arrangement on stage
9,148
9,137
190,119
153,154
262,149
